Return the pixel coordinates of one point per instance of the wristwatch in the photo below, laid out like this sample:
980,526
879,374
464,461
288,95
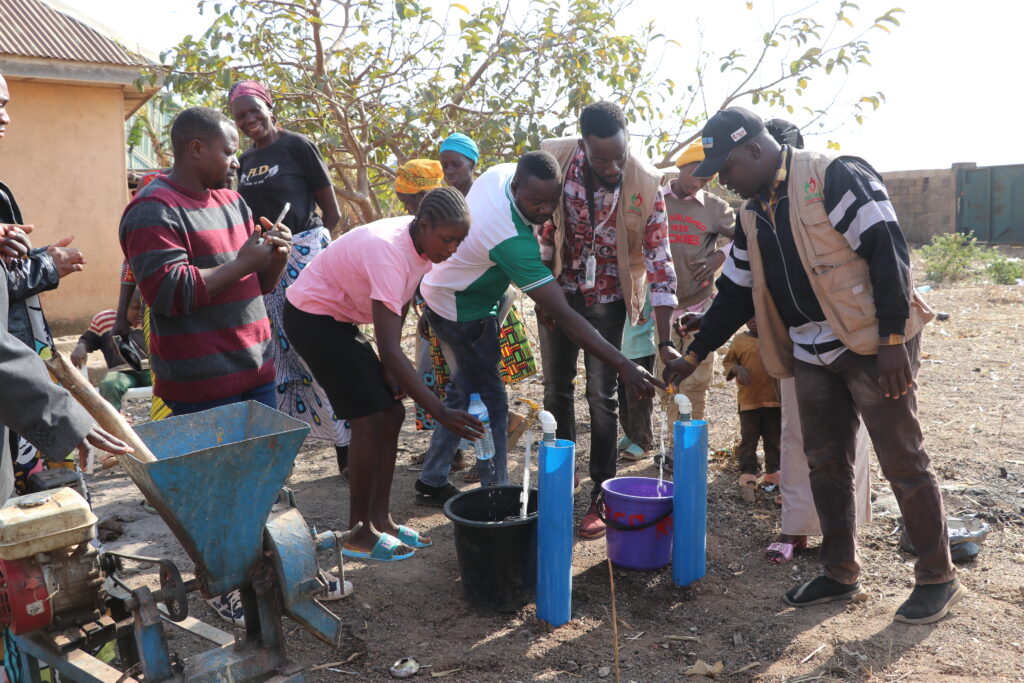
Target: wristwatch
891,340
666,344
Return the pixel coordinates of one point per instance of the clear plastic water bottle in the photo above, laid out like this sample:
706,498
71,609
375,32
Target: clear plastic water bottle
484,446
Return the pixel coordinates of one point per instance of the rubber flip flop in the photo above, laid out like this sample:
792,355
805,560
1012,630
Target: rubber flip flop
383,551
411,538
786,550
633,453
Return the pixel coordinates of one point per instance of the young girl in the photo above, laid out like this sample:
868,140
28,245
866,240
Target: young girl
368,275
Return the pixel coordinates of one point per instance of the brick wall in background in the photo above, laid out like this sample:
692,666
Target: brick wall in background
925,202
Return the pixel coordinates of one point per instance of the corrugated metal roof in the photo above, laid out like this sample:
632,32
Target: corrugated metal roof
30,28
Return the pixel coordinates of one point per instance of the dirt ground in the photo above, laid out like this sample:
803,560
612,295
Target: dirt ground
971,382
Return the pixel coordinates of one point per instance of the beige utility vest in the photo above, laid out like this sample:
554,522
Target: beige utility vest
838,275
640,183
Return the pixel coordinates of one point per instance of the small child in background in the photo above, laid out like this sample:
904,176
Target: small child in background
635,414
760,410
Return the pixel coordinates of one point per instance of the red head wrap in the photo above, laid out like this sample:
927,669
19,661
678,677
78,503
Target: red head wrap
250,89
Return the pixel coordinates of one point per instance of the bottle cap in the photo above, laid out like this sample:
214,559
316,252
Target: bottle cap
474,397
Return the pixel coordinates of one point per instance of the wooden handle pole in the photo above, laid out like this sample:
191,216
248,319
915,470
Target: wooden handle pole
105,415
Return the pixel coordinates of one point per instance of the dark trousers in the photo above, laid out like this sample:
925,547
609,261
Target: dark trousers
760,424
635,414
559,354
830,398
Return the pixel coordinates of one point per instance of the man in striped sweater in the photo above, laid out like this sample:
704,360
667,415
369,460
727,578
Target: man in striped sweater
823,264
202,267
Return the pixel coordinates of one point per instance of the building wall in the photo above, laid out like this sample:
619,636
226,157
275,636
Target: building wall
925,202
64,159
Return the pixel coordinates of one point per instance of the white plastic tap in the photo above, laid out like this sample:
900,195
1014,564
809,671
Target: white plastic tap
683,404
548,426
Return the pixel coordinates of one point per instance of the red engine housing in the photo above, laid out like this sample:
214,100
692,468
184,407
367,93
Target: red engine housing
25,604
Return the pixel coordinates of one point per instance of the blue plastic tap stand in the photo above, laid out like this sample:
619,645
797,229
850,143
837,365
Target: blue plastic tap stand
690,502
556,465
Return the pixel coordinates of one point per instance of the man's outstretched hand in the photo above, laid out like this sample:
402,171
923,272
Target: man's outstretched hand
638,382
678,370
103,440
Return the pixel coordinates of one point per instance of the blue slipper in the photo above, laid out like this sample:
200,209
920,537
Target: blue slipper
411,538
383,551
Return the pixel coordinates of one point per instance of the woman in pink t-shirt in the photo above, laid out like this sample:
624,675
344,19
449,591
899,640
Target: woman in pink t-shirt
368,275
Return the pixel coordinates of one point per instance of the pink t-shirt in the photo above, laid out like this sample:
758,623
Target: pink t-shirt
376,261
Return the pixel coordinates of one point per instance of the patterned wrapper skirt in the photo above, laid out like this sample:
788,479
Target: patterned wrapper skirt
297,393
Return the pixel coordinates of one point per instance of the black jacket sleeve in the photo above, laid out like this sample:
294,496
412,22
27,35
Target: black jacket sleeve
859,208
30,277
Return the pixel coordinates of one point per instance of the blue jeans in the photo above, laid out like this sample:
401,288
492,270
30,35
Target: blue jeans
473,355
265,394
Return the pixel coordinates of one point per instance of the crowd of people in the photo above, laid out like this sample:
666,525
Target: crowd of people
248,296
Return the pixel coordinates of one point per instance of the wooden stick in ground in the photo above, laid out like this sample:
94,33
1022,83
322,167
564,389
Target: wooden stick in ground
105,415
615,624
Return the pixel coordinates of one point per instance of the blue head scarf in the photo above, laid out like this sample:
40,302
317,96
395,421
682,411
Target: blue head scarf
463,144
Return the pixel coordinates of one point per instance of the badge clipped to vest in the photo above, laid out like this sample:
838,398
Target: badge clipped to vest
591,272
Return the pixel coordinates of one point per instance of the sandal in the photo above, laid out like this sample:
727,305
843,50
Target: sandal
384,550
434,496
472,475
633,452
781,553
772,478
411,538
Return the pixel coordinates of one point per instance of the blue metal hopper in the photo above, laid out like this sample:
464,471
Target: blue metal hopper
217,475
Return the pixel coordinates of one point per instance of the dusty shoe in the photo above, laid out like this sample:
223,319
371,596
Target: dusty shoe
335,588
819,590
591,527
930,602
229,607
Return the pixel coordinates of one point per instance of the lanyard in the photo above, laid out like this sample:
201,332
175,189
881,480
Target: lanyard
594,226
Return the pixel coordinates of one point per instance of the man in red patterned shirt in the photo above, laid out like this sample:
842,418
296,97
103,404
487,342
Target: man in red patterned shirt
607,244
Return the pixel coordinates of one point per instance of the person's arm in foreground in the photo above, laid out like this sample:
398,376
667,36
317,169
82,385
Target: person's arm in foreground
42,412
387,328
550,298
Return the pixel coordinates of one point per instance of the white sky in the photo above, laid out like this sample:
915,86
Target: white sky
947,73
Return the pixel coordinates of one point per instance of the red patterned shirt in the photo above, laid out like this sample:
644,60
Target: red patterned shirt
581,242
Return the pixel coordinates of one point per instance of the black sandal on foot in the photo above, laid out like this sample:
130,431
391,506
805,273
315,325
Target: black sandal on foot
434,496
819,590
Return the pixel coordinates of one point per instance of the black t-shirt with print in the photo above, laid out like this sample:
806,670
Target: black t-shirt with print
289,170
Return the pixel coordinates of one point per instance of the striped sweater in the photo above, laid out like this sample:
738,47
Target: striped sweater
202,348
858,207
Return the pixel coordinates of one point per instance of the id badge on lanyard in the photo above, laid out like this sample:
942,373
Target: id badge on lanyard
590,265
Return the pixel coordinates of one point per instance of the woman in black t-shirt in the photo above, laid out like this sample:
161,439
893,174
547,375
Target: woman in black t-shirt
285,167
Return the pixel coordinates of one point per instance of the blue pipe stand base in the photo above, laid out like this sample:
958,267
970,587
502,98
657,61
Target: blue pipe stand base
557,464
690,502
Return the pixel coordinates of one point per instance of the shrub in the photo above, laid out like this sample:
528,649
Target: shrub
1003,270
951,257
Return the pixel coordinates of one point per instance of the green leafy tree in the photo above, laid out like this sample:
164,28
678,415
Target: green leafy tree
377,82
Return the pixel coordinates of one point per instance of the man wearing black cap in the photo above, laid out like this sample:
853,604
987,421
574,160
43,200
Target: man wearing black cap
823,265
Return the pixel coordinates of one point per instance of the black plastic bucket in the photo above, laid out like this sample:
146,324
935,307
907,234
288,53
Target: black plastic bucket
497,549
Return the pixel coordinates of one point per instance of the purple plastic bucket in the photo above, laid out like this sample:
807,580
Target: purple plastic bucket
638,513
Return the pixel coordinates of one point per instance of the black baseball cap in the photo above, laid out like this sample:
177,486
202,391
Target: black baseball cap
724,132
